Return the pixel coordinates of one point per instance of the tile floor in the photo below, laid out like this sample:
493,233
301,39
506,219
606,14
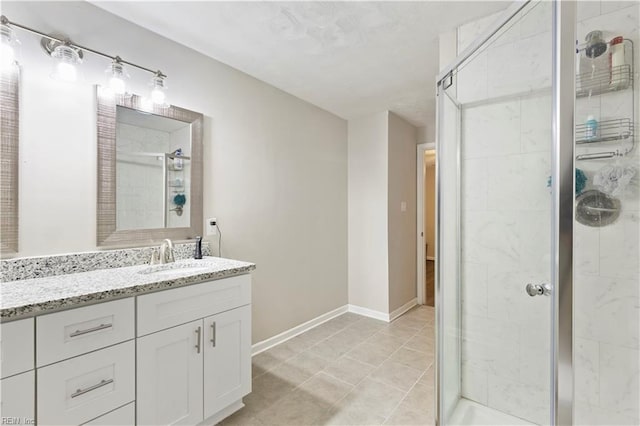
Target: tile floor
351,370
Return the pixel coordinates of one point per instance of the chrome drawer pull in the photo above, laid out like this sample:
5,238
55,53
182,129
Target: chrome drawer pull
213,334
90,388
90,330
198,333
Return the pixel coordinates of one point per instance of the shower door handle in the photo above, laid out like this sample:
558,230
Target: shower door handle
538,289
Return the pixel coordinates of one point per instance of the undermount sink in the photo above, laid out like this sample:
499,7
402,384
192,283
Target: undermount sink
172,268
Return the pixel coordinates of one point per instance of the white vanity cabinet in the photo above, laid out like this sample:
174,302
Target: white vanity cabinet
175,356
17,386
201,369
17,398
227,359
169,373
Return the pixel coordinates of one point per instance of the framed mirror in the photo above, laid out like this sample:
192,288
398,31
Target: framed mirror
149,171
9,143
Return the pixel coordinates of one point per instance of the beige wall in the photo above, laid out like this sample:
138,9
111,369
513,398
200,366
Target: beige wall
275,166
402,224
382,238
368,200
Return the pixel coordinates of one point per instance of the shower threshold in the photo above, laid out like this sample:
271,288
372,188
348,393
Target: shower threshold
470,413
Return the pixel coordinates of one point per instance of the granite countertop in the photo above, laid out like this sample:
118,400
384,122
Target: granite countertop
36,296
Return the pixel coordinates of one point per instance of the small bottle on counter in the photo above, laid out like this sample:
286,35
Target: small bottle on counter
198,252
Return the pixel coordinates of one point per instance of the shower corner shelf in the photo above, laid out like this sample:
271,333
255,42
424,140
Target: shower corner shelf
604,81
608,131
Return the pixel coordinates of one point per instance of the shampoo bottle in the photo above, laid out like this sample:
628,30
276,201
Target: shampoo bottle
616,60
591,128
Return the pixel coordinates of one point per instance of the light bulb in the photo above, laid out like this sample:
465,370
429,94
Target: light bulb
117,85
158,96
66,58
158,92
66,72
117,76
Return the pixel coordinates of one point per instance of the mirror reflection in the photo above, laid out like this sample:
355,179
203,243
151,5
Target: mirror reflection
153,171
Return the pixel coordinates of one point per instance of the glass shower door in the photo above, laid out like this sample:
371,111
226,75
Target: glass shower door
494,270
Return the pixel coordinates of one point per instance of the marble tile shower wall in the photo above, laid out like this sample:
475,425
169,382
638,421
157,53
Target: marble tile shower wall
505,232
607,279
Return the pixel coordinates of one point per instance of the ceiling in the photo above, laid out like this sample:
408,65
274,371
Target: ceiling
350,58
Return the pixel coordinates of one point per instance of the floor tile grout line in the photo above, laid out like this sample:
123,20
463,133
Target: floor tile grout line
305,350
377,381
427,323
404,397
290,358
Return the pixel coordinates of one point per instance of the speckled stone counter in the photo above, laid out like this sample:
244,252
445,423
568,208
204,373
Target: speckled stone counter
23,268
35,296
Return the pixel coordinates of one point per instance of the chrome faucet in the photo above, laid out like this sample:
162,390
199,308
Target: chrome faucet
166,252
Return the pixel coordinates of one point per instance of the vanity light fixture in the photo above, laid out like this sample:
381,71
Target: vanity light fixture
9,44
69,55
117,76
158,89
66,58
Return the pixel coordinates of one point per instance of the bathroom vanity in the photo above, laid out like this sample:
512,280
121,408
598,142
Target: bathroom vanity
142,344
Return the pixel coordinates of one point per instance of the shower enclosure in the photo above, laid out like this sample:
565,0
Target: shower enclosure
537,263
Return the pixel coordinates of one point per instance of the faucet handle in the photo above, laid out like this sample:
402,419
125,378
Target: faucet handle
155,258
167,245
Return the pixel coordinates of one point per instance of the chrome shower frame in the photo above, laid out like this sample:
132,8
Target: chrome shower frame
562,214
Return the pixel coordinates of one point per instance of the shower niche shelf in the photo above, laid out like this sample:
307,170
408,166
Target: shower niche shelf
604,81
608,131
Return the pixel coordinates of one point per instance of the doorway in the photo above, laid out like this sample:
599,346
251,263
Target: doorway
426,223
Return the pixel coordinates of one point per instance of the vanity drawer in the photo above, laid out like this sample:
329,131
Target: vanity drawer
17,398
123,416
16,347
80,389
69,333
168,308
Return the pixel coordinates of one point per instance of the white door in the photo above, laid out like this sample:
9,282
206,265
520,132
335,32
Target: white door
169,374
227,359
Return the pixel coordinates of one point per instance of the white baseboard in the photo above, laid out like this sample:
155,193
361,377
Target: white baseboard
431,258
402,309
369,313
381,315
299,329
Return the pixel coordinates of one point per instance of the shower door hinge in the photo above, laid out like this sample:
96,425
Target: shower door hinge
447,81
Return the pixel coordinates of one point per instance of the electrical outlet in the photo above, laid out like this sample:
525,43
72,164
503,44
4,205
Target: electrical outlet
211,224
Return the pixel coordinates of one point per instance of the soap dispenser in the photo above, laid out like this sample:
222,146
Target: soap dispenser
198,252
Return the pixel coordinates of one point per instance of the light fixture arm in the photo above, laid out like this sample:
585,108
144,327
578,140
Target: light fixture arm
5,21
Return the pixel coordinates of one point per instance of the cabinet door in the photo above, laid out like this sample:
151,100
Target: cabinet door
17,399
169,376
227,359
16,347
